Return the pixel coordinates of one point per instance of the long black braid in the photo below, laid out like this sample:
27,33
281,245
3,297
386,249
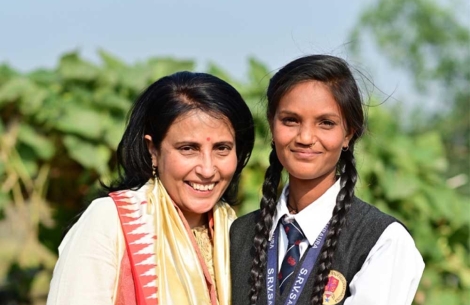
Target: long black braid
268,203
344,199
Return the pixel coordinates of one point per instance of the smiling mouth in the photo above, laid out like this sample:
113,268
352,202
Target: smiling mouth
309,152
202,187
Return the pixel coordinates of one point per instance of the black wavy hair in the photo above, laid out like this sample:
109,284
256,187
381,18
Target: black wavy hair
335,73
161,104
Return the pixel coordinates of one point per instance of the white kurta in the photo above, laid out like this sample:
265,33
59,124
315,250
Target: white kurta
89,258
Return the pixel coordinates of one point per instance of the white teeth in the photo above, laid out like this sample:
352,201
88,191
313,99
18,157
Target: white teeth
202,187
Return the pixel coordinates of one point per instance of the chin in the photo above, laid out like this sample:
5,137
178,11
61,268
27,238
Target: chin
204,208
307,175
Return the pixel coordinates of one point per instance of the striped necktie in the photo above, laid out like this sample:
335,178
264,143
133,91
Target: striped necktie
292,257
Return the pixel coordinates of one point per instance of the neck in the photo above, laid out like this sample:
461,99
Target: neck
302,193
195,220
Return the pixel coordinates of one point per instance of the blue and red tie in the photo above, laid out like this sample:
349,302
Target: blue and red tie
292,257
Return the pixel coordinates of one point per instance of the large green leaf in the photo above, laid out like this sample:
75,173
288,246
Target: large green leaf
72,67
13,89
163,66
109,99
82,107
110,61
42,146
81,121
89,155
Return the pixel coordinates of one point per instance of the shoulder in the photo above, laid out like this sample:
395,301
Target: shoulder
225,210
394,260
364,214
365,231
244,226
100,210
396,236
363,227
397,243
102,205
100,219
246,220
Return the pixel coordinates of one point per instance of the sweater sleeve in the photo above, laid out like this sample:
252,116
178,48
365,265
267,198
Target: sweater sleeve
87,268
391,272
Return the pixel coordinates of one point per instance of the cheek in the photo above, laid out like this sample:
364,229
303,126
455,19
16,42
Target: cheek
172,166
283,135
233,165
229,166
333,142
333,145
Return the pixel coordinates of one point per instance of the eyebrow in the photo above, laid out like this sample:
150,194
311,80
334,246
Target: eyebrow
323,115
198,143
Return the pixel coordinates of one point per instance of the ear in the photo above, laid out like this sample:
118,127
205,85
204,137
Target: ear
152,150
271,126
348,138
271,123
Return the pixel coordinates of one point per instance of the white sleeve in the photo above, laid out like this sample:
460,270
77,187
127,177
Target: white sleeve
88,263
391,272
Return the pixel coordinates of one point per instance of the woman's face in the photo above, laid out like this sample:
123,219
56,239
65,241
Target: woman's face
196,162
309,132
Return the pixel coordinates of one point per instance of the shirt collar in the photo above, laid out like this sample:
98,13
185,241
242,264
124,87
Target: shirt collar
311,219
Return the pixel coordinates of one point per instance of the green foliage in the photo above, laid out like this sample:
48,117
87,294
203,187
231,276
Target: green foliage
60,129
402,174
427,40
424,37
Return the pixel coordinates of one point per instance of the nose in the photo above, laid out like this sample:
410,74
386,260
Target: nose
206,167
306,135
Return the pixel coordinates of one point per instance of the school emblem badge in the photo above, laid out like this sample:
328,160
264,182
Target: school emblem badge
335,289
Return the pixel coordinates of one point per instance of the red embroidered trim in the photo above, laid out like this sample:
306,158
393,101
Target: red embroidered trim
133,227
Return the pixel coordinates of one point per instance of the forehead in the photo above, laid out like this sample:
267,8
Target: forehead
308,98
197,121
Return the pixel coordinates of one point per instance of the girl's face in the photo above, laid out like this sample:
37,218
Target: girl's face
309,132
196,162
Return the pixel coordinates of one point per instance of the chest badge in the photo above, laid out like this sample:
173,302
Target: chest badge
335,289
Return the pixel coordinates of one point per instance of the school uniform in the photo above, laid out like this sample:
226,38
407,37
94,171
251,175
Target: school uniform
375,261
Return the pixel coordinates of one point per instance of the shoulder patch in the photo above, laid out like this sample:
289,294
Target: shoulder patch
335,289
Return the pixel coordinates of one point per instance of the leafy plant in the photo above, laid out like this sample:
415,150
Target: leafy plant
60,128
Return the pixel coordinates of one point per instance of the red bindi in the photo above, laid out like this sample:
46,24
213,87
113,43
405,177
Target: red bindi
208,139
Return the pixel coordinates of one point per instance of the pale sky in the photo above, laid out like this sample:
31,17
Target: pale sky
35,33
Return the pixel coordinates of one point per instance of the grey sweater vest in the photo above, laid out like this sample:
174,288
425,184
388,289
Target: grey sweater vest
363,227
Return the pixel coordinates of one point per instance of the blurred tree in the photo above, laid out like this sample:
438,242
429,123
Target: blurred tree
59,129
429,41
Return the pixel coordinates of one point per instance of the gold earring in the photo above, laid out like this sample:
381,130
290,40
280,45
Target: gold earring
154,171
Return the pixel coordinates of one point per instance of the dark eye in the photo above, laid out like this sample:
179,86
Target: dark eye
187,149
328,123
289,121
223,149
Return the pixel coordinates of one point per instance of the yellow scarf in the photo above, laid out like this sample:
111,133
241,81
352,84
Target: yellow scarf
180,276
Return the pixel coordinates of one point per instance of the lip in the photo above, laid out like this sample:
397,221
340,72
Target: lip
203,184
305,154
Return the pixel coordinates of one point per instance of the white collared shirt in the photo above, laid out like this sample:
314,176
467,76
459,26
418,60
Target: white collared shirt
394,258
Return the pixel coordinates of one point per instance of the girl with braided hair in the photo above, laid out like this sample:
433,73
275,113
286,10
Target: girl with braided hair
318,243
